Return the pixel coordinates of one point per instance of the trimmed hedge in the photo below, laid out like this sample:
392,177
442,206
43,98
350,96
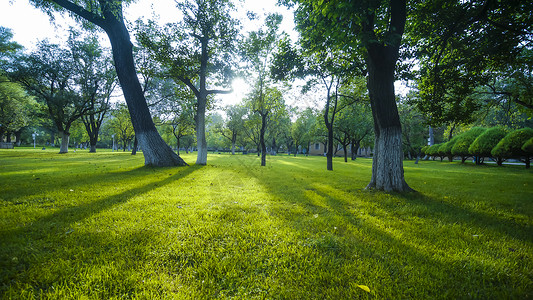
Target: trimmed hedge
528,147
463,142
484,143
511,145
433,151
446,148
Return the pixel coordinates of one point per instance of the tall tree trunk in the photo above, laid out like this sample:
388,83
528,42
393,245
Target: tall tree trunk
65,136
8,137
93,139
201,158
156,152
232,147
345,148
262,139
431,136
387,163
18,134
329,153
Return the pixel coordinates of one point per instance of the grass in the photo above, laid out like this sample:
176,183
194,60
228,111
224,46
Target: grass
103,226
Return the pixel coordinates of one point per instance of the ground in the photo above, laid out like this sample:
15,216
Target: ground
101,225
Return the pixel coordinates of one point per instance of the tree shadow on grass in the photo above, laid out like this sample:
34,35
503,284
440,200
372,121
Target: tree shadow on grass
375,238
28,244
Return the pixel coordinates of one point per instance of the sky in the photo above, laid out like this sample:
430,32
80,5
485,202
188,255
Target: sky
30,25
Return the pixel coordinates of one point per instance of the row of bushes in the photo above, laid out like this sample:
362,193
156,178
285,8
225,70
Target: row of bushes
480,143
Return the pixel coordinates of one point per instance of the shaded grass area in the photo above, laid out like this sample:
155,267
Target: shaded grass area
104,226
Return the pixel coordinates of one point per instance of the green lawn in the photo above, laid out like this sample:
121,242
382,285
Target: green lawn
103,226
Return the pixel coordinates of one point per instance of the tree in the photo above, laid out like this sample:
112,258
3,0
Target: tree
511,145
97,80
301,129
461,147
16,108
355,125
234,124
257,50
373,29
49,74
413,130
484,143
266,103
197,52
121,125
446,148
469,49
322,65
8,49
108,15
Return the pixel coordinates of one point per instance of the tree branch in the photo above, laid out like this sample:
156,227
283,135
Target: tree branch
209,92
82,12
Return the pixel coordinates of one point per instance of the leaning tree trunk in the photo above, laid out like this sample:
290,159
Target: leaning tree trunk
156,151
65,136
387,164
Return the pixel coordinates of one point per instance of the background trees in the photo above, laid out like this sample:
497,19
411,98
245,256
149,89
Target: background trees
50,75
196,52
108,15
96,78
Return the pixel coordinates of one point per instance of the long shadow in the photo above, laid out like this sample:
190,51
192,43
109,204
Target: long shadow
386,250
12,241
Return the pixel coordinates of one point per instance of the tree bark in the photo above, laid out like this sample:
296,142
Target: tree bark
387,164
262,139
329,153
65,136
201,158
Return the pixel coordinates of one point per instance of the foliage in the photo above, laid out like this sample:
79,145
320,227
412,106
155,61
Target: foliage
433,150
414,130
511,145
97,79
465,45
446,148
104,226
197,52
461,146
484,143
8,49
16,107
301,130
528,147
51,74
120,124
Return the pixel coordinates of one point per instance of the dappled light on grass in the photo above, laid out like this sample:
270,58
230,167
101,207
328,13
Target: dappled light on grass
103,225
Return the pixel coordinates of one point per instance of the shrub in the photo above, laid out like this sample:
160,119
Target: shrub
484,143
433,151
460,148
511,145
446,148
528,147
424,149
